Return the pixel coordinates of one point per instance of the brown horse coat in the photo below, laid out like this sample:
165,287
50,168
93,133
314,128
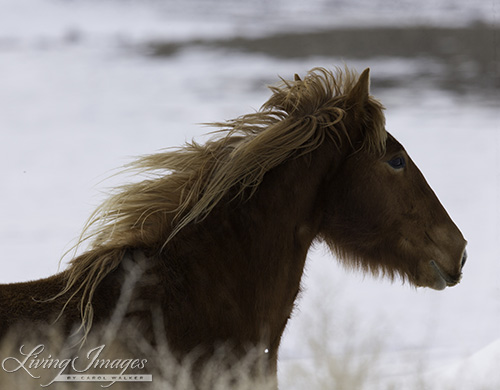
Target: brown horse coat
218,233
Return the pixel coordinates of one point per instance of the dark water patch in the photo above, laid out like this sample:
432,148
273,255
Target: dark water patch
468,57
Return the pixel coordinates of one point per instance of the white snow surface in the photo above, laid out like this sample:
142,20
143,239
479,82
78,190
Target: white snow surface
76,102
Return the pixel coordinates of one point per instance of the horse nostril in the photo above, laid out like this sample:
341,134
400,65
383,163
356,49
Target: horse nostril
464,259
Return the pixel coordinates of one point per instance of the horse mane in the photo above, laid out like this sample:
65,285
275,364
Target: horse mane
183,185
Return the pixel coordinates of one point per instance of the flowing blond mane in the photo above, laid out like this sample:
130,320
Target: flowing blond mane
182,186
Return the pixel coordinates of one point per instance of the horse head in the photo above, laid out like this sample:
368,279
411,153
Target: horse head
381,215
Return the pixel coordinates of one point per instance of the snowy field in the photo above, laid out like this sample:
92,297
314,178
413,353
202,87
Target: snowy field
77,100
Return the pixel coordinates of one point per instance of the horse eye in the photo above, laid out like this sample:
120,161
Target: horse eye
397,163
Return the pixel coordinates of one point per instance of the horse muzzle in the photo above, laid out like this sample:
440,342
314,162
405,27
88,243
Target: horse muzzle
443,278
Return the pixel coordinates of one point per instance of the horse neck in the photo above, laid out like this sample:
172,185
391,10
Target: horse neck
287,213
242,265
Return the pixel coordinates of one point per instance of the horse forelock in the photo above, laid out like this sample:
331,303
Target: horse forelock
184,185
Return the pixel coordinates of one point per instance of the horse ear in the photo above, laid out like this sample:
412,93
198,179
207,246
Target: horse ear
297,77
360,92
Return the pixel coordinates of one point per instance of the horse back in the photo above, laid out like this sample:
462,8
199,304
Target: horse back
34,302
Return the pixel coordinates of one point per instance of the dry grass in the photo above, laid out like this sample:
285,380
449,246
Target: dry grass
356,365
23,353
341,356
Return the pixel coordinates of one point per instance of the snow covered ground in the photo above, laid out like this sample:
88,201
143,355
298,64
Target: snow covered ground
77,101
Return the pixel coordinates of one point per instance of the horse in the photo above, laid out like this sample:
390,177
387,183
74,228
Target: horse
221,230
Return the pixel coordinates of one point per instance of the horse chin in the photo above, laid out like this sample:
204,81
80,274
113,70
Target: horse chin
441,278
439,284
433,276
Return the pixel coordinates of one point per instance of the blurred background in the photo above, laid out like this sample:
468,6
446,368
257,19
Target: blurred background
86,85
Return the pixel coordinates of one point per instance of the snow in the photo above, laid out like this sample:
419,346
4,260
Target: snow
477,371
78,100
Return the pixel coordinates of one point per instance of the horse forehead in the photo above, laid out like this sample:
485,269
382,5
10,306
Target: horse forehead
392,144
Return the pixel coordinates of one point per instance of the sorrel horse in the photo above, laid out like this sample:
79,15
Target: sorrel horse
223,229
